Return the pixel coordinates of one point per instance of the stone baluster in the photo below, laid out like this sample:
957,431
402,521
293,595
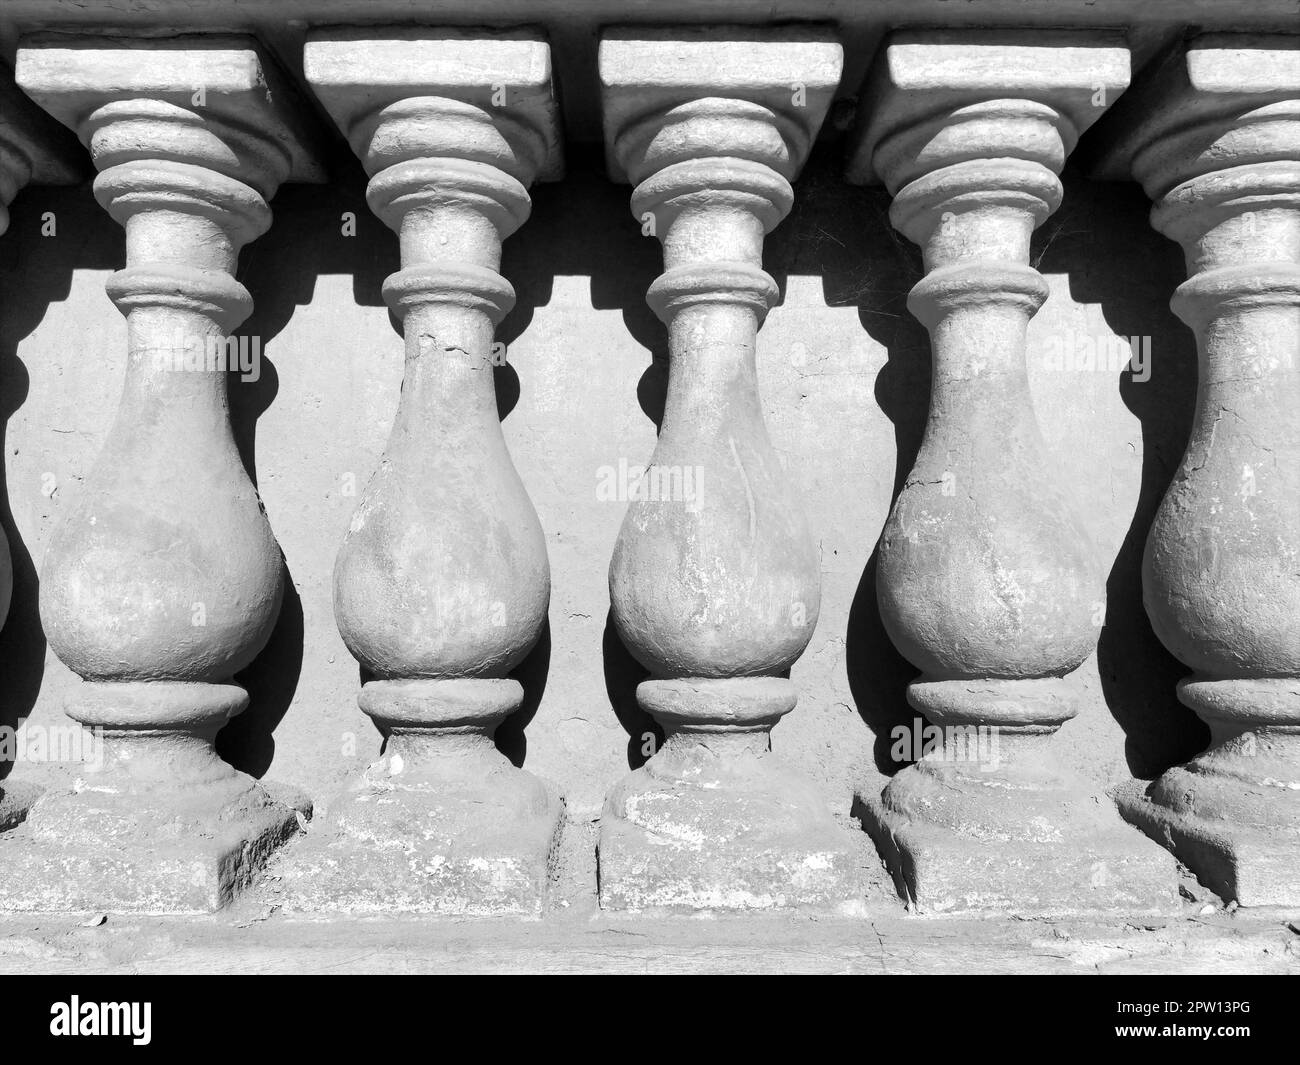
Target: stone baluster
714,581
442,584
987,580
164,580
1214,138
33,150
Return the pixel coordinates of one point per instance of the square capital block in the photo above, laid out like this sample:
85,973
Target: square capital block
356,73
1216,82
793,71
921,76
226,79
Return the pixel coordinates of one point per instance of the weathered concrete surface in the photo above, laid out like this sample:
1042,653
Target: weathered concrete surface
166,579
832,392
987,580
1212,137
1251,865
843,375
16,798
1031,838
714,582
33,147
254,938
442,584
443,823
469,836
717,823
168,851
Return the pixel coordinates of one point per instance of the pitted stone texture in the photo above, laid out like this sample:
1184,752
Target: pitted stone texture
717,596
955,86
16,799
1213,135
1036,840
458,839
165,580
368,77
33,148
198,85
442,584
1232,814
442,824
987,580
1241,863
685,73
165,851
700,828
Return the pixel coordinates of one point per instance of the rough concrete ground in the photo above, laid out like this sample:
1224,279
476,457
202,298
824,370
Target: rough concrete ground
251,941
253,936
576,937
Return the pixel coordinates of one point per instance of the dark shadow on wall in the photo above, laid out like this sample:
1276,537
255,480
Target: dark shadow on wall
36,271
842,234
271,680
621,263
619,259
1102,240
511,739
622,675
316,229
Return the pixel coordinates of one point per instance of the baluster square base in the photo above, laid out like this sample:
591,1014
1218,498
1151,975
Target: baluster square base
176,852
469,844
693,831
1071,866
1236,862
